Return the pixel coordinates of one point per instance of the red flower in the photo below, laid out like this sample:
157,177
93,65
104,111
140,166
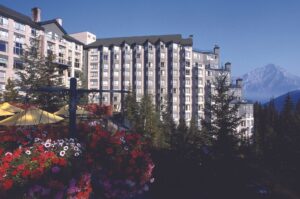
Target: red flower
25,173
7,184
62,162
134,154
109,150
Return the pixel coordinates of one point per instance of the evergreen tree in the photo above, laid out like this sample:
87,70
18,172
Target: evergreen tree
223,120
131,111
39,71
11,93
144,119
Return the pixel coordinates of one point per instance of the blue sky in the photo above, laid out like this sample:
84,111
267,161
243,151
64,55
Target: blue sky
251,33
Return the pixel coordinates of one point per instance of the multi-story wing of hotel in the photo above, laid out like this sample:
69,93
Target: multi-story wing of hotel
166,67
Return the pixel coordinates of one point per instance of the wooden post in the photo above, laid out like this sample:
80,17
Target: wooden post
72,107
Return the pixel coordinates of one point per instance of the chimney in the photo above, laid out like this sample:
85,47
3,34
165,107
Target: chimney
239,83
59,21
228,66
36,14
216,50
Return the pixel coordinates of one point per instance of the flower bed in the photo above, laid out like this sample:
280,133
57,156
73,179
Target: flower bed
107,165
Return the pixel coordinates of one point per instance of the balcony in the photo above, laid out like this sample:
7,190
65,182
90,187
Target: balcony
63,63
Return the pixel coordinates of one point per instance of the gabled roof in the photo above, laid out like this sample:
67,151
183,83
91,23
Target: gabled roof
55,22
140,40
65,36
19,17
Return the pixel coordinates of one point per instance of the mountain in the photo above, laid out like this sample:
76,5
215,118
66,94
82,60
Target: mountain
269,81
279,101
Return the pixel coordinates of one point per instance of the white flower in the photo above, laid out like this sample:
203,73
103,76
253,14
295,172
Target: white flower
79,145
47,144
28,152
48,140
66,148
76,154
37,139
151,180
76,148
71,140
8,153
62,153
126,148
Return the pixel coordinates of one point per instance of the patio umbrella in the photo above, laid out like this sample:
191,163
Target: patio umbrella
5,113
64,111
10,108
31,117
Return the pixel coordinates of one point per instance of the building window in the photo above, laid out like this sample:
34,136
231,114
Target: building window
77,64
200,90
3,34
94,58
187,90
18,48
127,66
150,83
187,98
94,66
93,82
138,73
105,57
116,74
33,32
3,46
18,64
175,90
3,21
105,83
105,74
116,83
187,107
115,98
162,64
138,65
2,76
187,64
187,82
3,61
19,26
138,55
150,73
127,73
187,72
117,66
126,83
105,66
116,56
138,83
94,74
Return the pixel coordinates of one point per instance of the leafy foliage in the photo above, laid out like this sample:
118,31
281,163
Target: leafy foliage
39,71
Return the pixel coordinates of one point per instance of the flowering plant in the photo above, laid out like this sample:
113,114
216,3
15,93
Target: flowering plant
112,165
27,165
120,164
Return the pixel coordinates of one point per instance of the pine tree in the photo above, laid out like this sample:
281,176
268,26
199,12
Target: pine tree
11,93
222,120
39,71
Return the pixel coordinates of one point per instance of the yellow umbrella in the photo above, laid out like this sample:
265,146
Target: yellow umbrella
30,117
64,111
5,113
10,108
